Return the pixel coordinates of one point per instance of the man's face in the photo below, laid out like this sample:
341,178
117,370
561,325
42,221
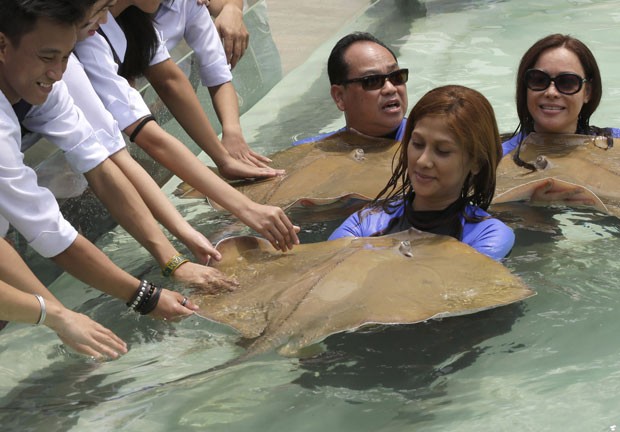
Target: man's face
371,112
28,70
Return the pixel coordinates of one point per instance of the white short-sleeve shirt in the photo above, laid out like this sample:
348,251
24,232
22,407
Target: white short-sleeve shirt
118,97
30,209
185,19
81,90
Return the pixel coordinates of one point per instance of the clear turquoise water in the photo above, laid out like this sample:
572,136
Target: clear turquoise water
551,363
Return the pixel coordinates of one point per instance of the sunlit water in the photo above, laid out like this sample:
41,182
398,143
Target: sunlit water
551,363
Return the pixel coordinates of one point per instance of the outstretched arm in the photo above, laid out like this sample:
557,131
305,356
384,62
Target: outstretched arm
87,263
127,207
269,221
177,93
18,286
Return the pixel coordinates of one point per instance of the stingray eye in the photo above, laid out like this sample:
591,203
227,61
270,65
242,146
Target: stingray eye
358,154
541,162
405,248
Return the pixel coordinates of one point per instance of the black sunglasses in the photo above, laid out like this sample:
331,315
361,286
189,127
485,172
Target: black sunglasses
567,83
375,82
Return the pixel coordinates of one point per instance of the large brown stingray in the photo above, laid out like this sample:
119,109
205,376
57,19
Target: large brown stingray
292,300
342,171
587,162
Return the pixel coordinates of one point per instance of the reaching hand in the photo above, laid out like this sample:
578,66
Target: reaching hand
239,149
234,169
206,278
563,193
85,335
273,224
235,37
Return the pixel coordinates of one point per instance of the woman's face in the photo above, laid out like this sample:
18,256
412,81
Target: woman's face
97,15
437,164
552,111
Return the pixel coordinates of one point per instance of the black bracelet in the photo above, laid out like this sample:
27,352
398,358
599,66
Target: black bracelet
137,297
151,303
138,128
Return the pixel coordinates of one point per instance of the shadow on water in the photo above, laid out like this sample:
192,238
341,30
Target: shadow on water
53,397
409,359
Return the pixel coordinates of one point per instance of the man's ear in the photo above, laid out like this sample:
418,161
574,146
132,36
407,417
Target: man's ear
588,93
337,92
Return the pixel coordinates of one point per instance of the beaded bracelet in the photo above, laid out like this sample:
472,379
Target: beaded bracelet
173,264
146,298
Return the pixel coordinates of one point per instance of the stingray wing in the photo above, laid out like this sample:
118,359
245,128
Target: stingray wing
292,300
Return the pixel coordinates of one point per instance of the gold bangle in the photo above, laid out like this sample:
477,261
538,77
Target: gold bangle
173,264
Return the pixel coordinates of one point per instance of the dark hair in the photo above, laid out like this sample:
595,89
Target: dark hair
19,17
337,67
470,118
142,41
592,74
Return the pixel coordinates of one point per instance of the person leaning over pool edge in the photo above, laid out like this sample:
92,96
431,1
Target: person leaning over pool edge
36,38
133,116
368,85
190,21
445,176
126,189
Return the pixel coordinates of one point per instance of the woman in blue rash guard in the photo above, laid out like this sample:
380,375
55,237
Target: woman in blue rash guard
445,176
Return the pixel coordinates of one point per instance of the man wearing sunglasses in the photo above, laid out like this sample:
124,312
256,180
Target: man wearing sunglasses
368,85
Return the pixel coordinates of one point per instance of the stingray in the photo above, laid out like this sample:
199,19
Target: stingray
589,163
334,177
289,301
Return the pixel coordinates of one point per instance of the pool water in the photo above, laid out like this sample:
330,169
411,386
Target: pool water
550,363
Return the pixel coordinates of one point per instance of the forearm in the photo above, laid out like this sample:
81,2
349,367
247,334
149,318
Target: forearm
15,272
127,207
157,202
85,262
176,92
173,155
226,106
17,305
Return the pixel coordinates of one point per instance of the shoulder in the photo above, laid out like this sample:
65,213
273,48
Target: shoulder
490,236
511,144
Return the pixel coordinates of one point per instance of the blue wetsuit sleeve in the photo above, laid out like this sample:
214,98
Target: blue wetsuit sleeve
351,227
490,237
510,145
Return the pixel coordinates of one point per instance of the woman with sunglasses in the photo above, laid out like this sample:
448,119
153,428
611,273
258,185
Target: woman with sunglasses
445,175
558,89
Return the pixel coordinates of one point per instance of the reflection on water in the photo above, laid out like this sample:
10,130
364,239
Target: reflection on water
547,364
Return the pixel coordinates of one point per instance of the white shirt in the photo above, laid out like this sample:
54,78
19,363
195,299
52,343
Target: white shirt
118,97
31,209
185,19
81,90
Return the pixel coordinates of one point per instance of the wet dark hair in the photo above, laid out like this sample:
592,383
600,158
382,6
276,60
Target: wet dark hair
471,120
337,67
19,17
142,41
